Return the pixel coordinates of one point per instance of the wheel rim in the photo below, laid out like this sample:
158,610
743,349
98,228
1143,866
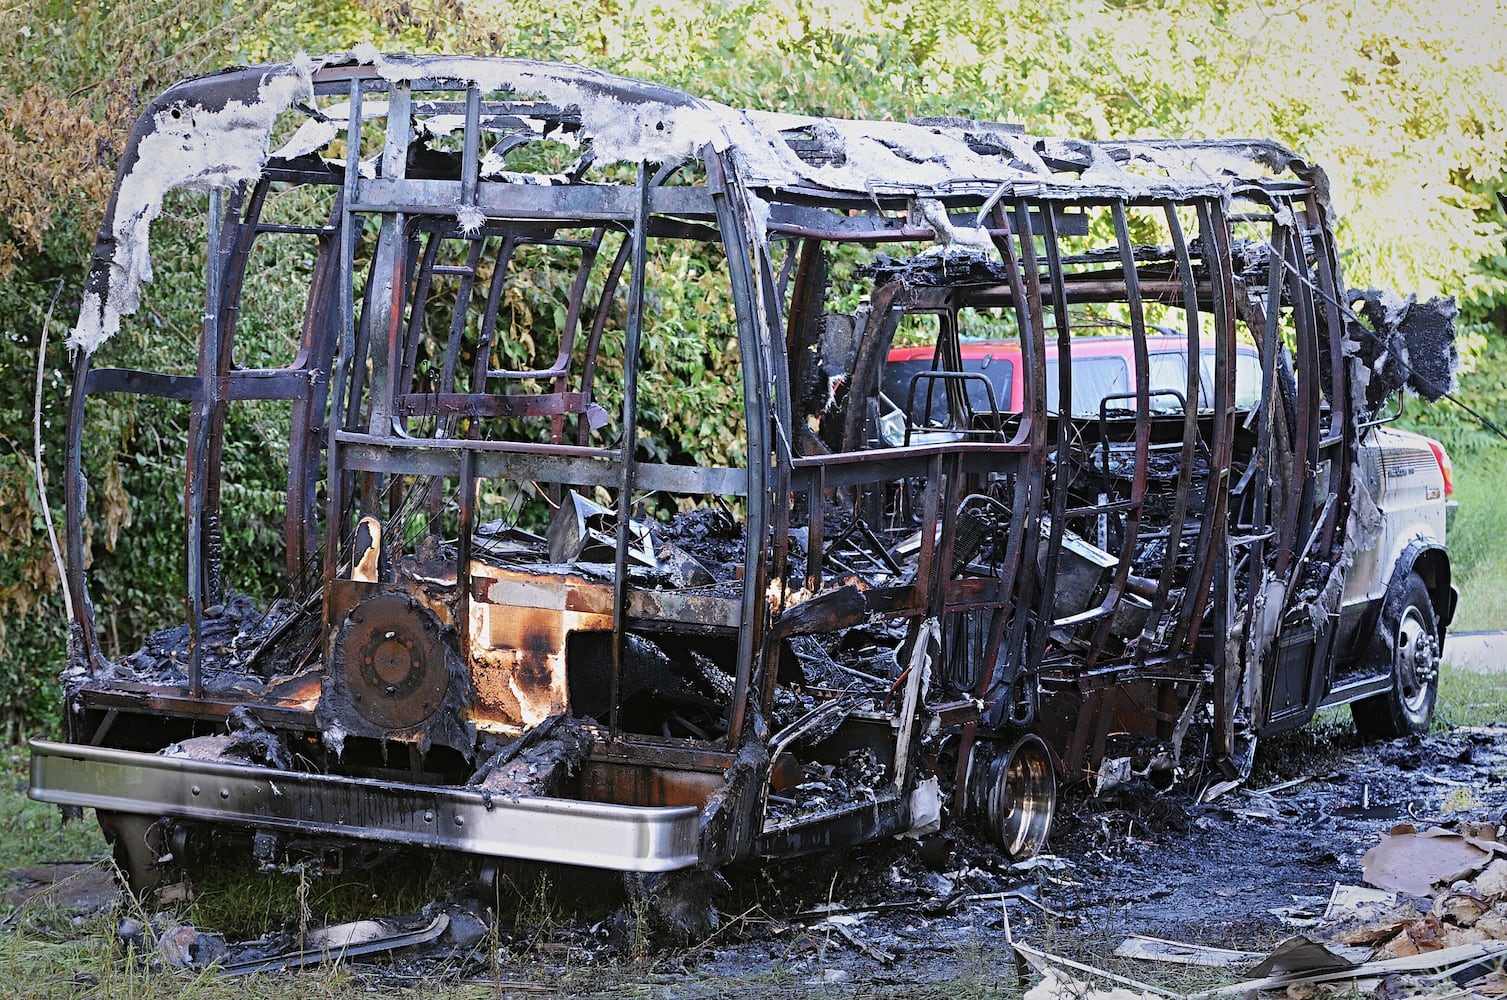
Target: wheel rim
1417,660
1018,797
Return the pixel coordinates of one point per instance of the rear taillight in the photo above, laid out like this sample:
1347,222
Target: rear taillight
1446,467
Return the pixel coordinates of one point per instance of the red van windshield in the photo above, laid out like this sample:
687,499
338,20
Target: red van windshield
931,394
1106,372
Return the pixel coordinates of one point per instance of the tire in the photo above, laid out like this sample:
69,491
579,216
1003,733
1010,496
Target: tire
1409,639
136,842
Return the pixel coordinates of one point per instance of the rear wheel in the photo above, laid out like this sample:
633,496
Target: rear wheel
1409,625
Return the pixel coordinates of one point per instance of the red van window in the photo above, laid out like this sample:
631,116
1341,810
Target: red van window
897,383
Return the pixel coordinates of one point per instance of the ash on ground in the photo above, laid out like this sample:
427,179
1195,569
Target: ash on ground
1253,867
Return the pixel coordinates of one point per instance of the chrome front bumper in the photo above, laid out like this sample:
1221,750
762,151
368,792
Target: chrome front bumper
593,834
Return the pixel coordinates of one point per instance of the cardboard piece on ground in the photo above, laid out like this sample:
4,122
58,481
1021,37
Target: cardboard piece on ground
1055,987
1462,909
1376,933
1492,883
1357,902
1413,862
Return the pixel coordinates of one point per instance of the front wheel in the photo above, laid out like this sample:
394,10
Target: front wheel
1409,625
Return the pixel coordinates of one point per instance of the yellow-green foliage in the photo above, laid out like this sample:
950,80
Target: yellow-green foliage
1396,99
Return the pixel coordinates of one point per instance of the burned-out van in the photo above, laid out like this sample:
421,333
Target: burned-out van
607,541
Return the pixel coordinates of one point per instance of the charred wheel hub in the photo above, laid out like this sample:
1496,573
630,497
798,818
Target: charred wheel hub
392,661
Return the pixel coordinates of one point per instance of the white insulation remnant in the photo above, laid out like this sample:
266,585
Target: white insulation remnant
190,146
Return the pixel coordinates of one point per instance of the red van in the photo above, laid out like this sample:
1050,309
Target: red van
1102,367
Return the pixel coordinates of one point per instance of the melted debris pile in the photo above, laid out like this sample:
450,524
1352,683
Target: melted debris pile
441,931
234,635
537,762
699,548
712,535
825,787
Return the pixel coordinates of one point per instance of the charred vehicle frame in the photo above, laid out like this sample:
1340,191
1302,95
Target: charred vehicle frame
512,628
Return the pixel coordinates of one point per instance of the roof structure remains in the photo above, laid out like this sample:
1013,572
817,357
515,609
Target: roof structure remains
217,131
